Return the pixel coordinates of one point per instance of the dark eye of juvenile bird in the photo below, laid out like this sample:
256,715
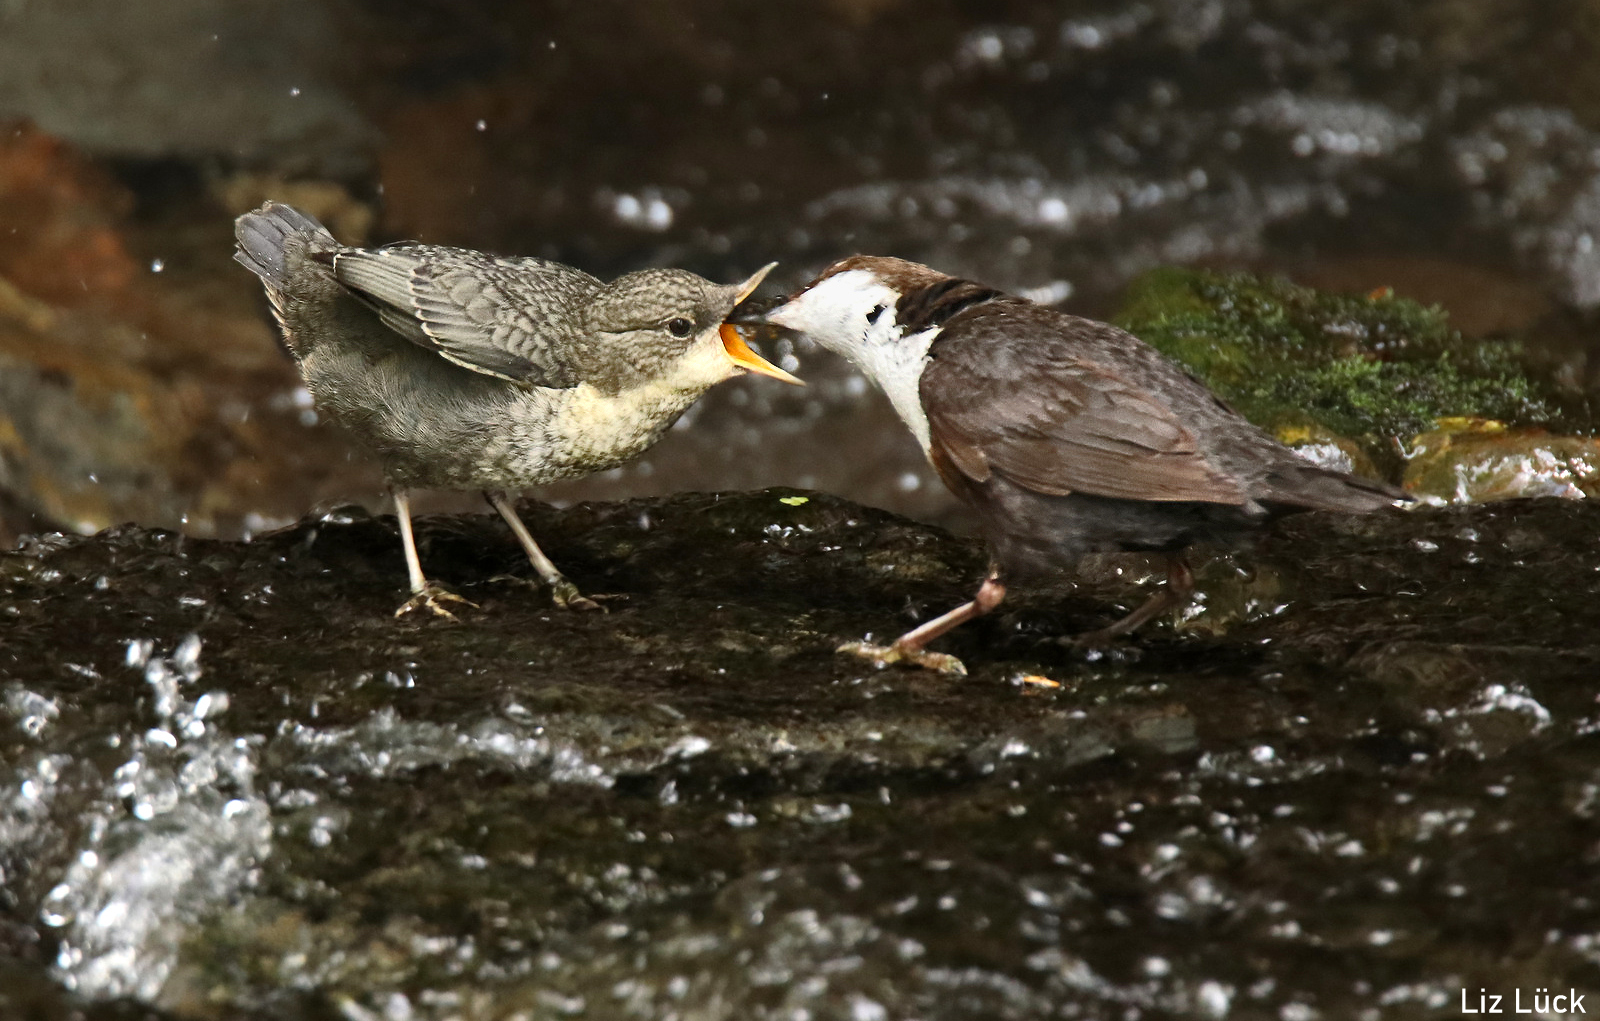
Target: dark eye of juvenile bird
680,327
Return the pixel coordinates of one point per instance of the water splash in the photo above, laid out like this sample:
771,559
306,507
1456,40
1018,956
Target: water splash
172,836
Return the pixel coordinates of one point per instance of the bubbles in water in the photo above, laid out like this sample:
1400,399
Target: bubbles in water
32,711
648,210
1213,998
687,747
191,831
830,813
386,745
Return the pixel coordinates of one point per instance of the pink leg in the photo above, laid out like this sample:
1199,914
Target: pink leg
1174,595
909,647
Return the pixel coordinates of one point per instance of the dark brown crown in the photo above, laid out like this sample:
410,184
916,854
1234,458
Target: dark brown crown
899,274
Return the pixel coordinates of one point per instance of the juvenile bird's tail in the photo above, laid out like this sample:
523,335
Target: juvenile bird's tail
266,236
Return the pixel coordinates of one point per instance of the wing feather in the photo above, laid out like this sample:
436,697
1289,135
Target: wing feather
1038,409
508,318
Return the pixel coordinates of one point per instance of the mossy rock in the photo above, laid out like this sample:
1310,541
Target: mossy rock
1367,371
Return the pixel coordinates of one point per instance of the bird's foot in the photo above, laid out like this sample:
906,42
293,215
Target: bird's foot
566,595
433,597
891,655
562,592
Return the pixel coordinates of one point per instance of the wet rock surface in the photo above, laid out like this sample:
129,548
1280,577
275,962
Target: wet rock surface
1375,384
1361,776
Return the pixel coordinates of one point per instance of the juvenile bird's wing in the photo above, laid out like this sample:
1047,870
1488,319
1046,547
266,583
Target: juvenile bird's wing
1025,400
509,318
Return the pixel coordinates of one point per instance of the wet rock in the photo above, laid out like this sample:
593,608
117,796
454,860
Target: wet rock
1474,461
231,784
192,79
1375,383
132,386
1481,302
62,214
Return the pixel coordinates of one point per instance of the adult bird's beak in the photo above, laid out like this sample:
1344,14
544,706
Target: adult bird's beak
733,343
753,311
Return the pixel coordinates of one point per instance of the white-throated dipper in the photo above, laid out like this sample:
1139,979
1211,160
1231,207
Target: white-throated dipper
1066,436
462,370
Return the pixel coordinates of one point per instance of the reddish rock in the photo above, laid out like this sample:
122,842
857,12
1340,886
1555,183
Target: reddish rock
59,220
140,378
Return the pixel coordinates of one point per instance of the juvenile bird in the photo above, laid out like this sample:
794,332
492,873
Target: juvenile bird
462,370
1066,436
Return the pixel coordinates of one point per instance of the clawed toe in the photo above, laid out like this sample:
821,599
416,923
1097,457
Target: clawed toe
892,655
566,595
562,592
432,598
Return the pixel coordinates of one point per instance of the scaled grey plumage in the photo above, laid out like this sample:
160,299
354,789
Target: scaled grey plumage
462,370
1065,435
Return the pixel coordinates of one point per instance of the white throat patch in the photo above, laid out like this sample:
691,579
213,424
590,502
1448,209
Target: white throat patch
853,314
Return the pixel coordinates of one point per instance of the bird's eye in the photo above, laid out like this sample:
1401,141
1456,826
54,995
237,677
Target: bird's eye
680,327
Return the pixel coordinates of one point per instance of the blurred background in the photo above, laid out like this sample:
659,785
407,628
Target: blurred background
1447,148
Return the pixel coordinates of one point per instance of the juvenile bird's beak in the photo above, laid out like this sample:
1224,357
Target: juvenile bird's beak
738,351
741,355
749,286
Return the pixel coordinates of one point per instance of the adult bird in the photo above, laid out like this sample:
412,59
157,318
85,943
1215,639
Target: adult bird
1066,436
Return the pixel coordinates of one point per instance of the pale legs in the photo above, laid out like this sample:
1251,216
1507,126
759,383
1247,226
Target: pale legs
564,592
424,593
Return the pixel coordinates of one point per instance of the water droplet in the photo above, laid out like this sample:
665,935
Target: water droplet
138,653
1214,998
187,658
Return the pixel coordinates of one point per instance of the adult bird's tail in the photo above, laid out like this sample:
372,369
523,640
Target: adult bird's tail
1316,488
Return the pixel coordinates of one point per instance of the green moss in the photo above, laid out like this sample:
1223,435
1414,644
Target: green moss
1365,367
